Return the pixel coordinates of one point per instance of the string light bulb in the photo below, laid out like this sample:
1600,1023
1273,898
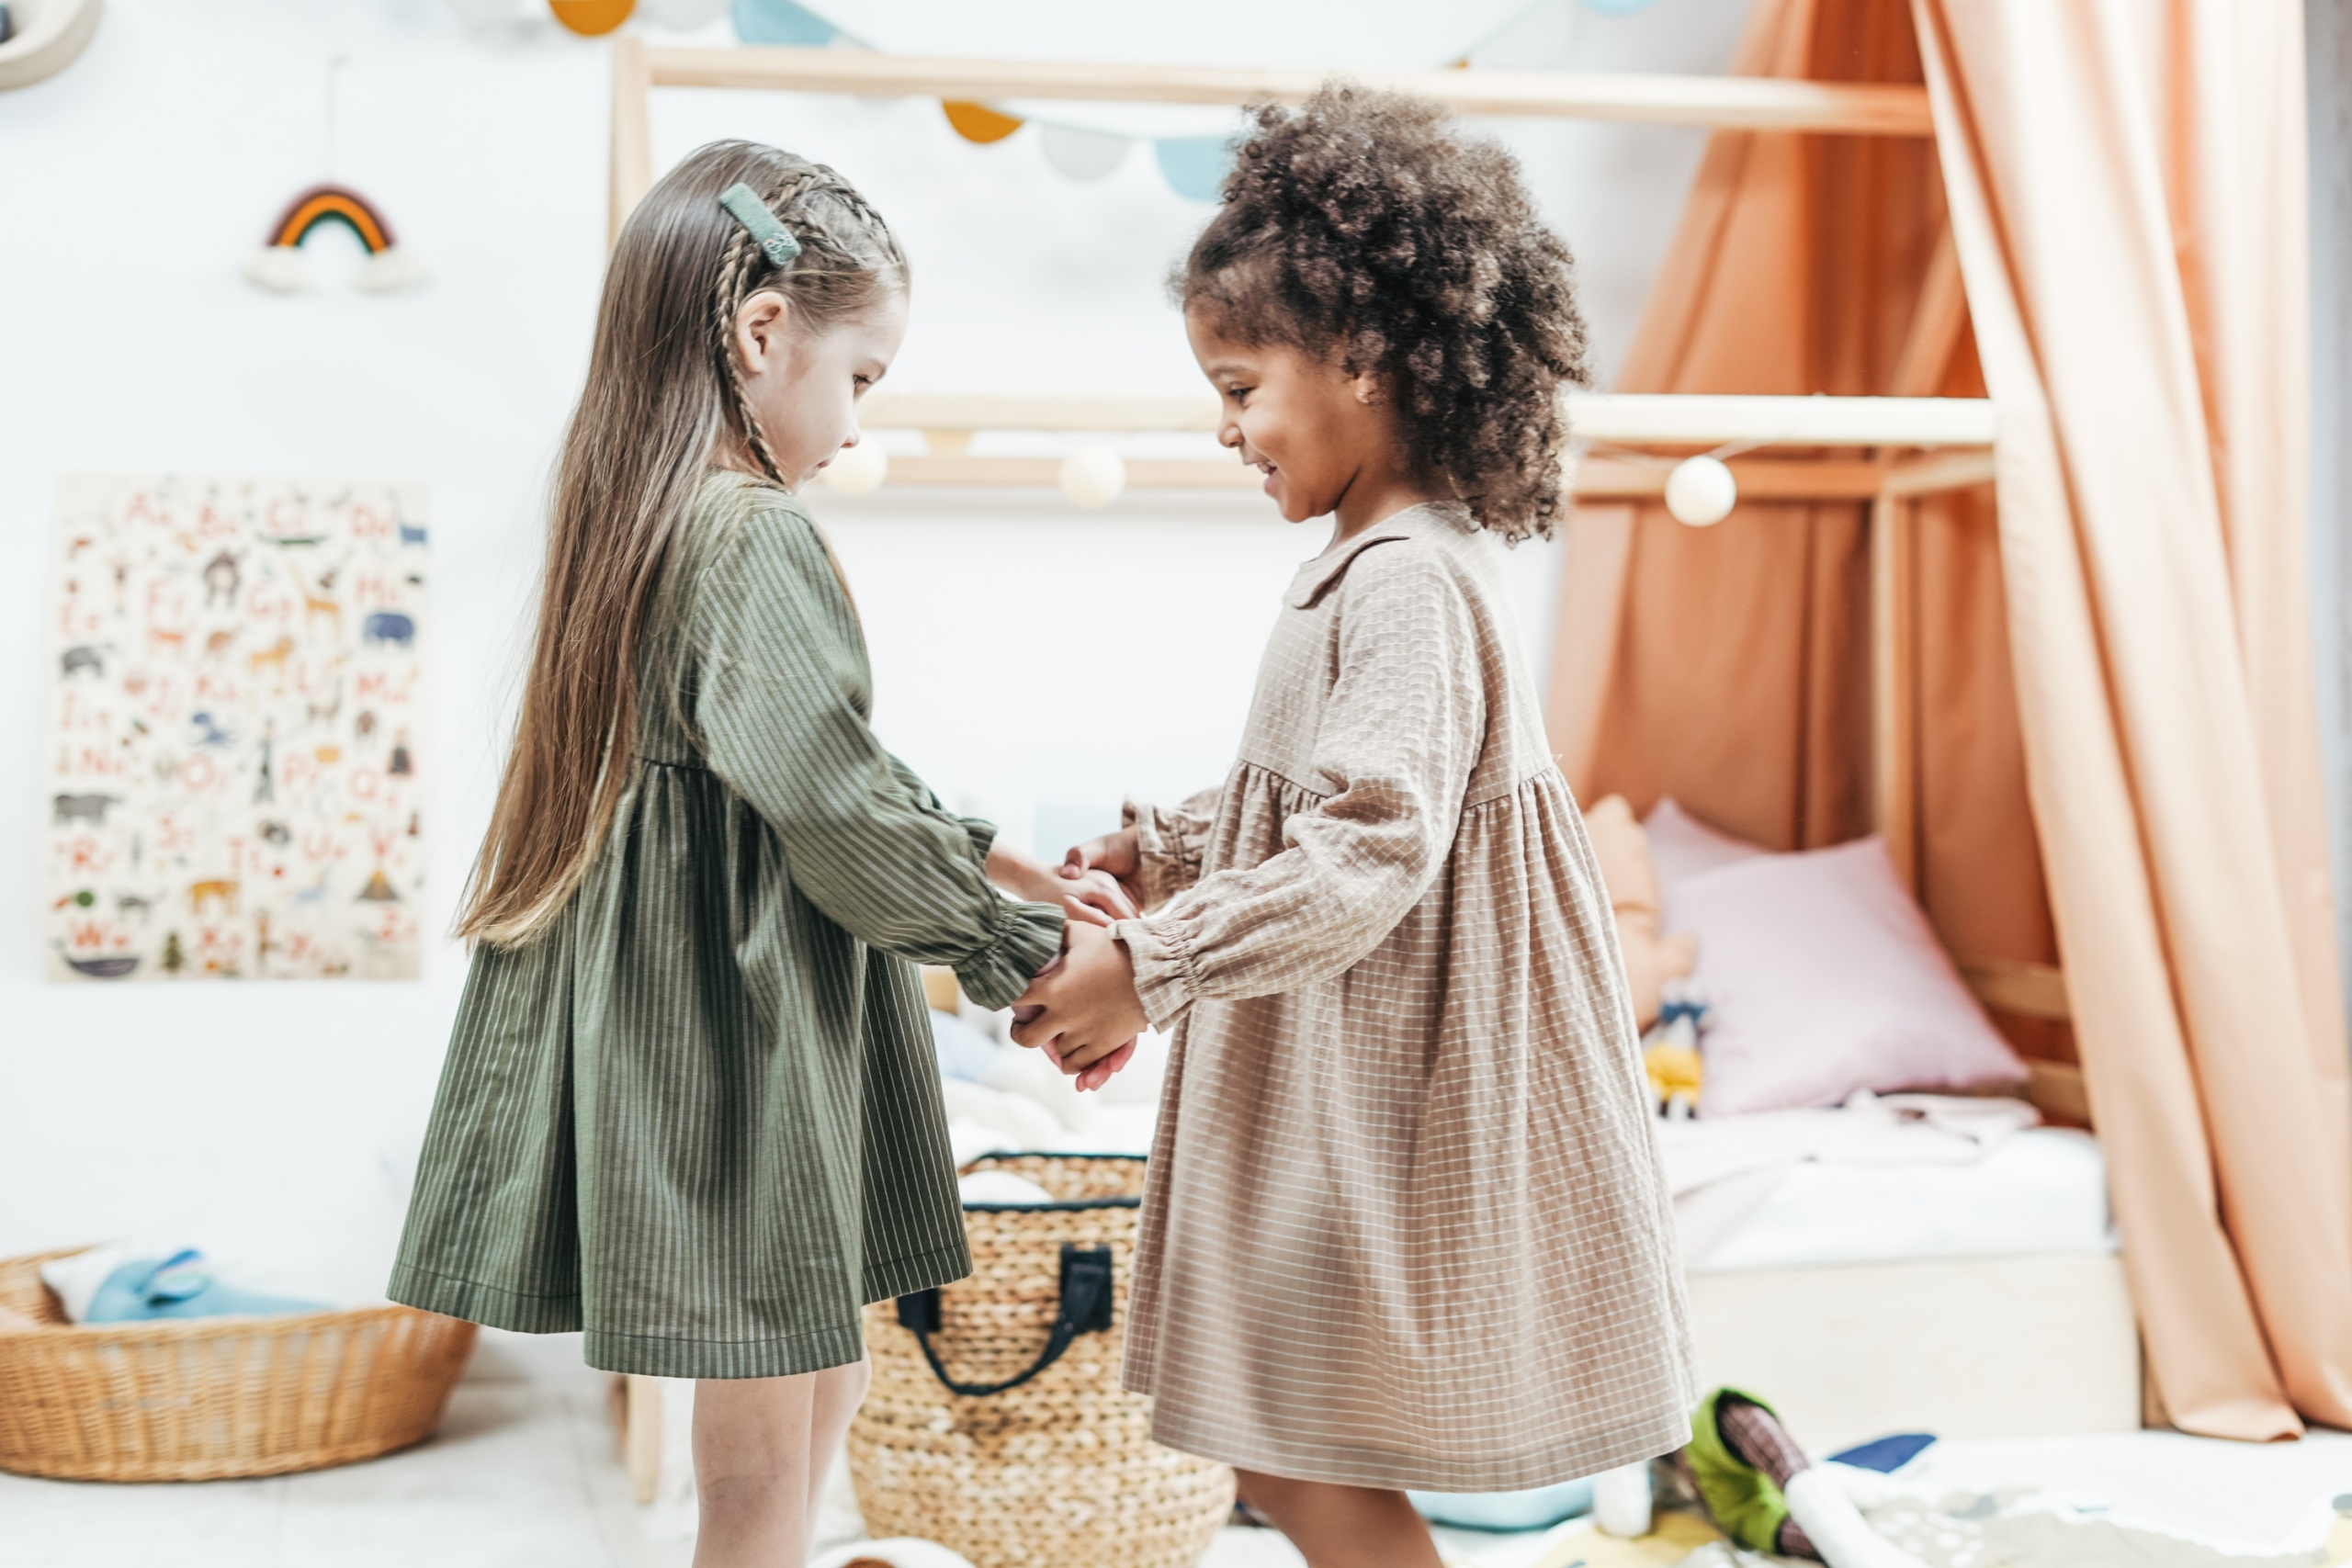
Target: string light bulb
1093,476
1701,492
859,469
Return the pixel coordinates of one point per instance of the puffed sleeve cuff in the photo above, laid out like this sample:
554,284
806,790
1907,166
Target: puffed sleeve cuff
982,834
1166,862
1027,938
1163,964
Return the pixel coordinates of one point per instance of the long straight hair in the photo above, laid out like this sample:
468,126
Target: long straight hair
665,399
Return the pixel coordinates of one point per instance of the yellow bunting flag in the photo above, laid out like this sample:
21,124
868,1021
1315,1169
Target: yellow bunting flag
978,122
589,17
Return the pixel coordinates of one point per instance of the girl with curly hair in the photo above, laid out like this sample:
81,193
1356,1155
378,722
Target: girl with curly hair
1405,1225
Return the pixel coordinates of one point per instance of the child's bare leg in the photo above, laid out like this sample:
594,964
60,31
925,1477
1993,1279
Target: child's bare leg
839,1391
752,1441
1342,1527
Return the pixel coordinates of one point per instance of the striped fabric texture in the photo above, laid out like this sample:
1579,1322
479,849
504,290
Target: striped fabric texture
1406,1223
699,1115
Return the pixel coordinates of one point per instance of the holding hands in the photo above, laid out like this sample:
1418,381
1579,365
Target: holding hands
1114,856
1081,1009
1096,898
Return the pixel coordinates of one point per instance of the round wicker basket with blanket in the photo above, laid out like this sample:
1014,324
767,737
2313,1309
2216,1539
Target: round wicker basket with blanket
200,1399
997,1424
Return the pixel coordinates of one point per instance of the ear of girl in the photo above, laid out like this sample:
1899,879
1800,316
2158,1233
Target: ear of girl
802,379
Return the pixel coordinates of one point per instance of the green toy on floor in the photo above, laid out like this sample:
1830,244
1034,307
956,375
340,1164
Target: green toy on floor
1761,1490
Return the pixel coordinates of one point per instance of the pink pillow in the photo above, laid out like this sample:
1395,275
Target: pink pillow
1681,845
1824,978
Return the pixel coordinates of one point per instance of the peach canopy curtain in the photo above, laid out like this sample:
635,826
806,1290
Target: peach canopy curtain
2118,749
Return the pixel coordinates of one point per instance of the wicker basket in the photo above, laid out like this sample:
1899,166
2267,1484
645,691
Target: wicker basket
1057,1471
198,1399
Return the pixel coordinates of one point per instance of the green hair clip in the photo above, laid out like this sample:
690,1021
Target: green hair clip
775,242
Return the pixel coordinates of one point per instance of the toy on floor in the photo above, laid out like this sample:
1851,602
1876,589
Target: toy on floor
1761,1490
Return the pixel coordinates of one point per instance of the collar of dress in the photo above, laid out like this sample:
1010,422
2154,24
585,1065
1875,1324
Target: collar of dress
1318,575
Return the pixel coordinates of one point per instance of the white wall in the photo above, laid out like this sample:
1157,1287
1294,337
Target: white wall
1024,651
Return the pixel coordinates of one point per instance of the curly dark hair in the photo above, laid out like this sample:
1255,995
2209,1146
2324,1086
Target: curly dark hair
1367,227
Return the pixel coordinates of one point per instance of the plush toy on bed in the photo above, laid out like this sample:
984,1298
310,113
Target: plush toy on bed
1652,958
1670,1051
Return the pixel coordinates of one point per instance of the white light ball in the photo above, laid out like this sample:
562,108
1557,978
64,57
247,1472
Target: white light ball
1093,476
859,469
1701,492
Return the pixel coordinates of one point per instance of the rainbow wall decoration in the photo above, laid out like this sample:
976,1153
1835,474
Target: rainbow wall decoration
280,267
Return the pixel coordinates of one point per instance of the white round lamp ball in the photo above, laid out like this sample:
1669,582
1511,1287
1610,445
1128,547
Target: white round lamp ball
1701,492
859,469
1093,476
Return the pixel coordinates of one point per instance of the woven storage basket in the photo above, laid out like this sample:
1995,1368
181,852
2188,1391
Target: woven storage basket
1057,1471
198,1399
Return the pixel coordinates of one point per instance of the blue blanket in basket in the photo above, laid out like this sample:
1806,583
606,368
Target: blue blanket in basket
180,1286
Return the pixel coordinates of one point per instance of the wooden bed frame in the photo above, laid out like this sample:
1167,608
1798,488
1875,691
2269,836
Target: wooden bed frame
1888,451
1891,451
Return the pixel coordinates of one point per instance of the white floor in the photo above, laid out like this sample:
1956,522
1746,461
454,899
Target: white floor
523,1475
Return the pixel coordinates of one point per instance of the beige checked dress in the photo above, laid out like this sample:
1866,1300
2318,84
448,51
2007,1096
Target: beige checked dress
1405,1224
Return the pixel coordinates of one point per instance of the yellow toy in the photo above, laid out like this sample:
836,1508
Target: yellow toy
1670,1057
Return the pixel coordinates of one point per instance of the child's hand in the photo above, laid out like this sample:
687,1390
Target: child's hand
1083,1010
1092,896
1113,854
1095,896
1100,1072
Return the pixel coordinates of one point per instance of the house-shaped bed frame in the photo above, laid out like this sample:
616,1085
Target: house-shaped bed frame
1888,451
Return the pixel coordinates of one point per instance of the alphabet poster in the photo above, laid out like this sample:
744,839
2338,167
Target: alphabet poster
236,733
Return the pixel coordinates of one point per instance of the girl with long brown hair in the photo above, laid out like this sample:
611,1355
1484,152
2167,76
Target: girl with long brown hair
690,1104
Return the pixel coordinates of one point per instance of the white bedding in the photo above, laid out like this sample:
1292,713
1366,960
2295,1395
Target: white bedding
1891,1178
2038,1191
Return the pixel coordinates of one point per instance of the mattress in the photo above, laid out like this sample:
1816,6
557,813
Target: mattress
2040,1191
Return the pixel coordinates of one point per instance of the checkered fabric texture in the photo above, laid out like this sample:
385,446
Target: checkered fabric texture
1405,1224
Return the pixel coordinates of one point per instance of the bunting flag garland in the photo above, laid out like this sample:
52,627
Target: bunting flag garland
978,122
1193,165
1082,154
591,18
781,22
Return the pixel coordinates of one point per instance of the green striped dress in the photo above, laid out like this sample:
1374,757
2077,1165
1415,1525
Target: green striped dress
698,1116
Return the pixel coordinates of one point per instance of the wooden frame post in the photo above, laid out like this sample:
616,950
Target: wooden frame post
1895,775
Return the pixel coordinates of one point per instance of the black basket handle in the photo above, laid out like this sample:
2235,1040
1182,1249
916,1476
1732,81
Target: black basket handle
1085,1308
